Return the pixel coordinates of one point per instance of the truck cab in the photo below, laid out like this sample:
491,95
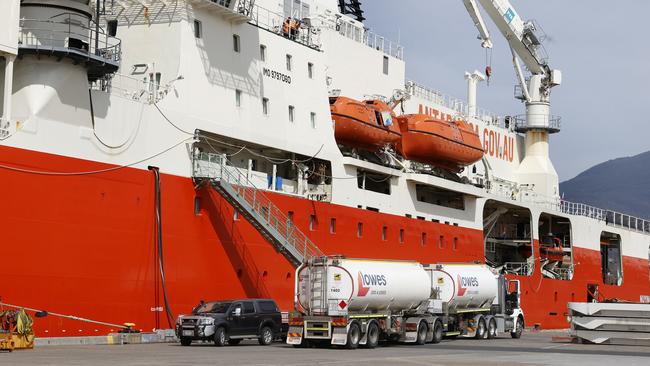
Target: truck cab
230,321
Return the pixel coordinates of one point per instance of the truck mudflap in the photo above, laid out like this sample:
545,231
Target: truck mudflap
294,335
339,336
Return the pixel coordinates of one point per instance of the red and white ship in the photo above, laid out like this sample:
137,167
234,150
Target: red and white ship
179,150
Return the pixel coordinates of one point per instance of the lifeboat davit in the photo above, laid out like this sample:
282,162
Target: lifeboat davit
451,145
368,125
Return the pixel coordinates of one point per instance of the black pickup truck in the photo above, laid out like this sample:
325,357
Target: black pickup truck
230,322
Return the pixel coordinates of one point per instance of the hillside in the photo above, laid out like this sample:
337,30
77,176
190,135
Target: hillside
620,184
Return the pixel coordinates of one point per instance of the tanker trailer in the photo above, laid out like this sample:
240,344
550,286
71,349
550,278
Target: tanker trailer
472,301
352,302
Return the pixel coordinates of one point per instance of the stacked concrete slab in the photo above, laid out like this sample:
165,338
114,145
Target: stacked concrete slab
610,323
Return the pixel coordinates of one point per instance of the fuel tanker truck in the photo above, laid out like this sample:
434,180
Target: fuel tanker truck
351,302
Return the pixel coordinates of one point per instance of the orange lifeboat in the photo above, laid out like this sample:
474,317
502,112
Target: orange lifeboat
451,145
367,125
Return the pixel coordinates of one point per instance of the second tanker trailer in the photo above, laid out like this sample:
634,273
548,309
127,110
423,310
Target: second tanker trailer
352,302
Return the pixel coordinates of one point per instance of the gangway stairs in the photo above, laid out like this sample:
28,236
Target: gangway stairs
254,206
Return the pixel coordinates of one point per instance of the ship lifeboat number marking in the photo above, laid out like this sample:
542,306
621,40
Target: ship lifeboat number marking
495,144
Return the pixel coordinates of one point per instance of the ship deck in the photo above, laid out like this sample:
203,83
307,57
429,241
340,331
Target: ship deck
536,348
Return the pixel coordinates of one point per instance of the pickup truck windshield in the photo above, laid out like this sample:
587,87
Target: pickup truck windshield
213,307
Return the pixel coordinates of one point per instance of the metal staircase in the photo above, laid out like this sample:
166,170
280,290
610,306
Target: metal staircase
255,206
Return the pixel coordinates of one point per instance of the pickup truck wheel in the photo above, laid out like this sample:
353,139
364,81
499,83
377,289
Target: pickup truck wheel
372,335
234,342
354,333
519,328
220,337
423,329
186,341
266,336
437,332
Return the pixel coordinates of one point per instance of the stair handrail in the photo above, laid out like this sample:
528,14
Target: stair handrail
259,202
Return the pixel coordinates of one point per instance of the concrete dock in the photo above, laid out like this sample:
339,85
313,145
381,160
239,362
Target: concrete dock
540,348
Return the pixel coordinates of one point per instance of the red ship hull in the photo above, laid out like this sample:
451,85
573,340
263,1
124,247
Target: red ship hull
84,245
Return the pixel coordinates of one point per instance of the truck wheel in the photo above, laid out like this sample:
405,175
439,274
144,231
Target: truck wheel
480,329
234,342
373,335
437,332
519,328
186,341
354,333
266,336
220,337
423,329
492,329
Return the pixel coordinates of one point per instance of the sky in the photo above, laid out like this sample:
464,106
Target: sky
599,46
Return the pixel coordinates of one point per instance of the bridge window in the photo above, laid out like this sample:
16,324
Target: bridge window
265,106
555,247
262,52
292,112
197,29
611,258
289,59
237,98
507,238
235,43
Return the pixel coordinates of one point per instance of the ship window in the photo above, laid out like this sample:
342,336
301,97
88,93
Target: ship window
401,236
440,196
197,29
332,225
384,232
441,242
312,117
197,205
455,243
386,65
359,229
290,218
292,110
423,239
611,258
235,43
237,97
375,182
289,62
310,70
312,222
265,106
262,52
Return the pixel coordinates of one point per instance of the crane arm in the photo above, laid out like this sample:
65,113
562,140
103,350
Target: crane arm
475,14
521,36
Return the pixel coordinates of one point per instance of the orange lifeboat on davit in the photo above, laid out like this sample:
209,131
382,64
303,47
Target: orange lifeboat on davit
451,145
367,125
